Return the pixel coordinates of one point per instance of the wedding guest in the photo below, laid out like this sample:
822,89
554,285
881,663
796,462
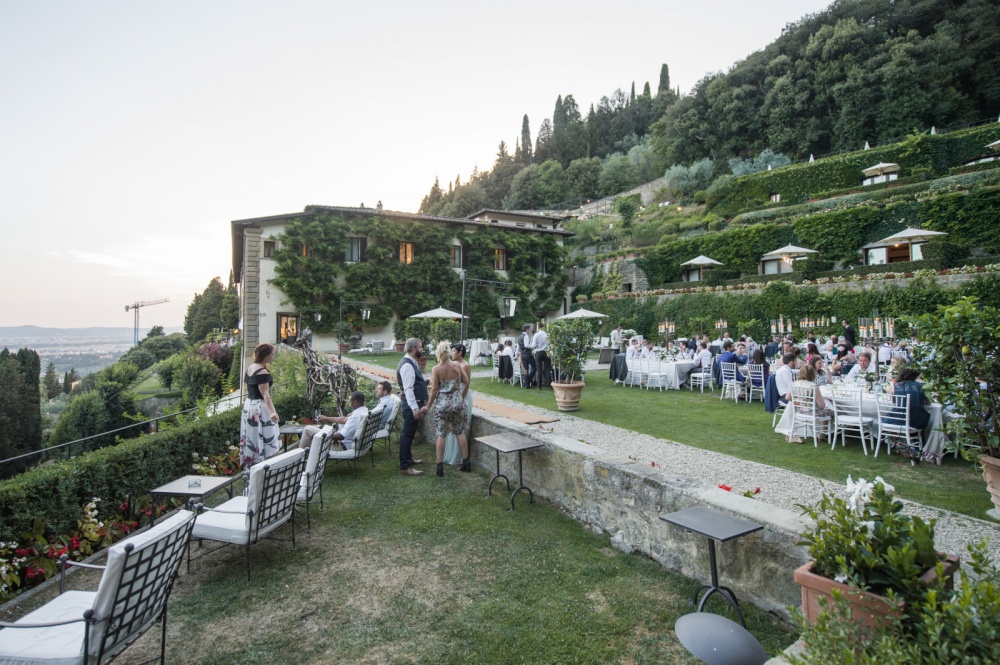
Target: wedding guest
906,384
819,366
685,352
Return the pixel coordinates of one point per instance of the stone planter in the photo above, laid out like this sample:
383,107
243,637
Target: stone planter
398,347
612,296
991,472
568,395
869,609
422,363
344,348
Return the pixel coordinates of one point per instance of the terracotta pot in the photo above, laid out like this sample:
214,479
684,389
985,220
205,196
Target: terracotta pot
422,363
597,298
344,348
568,395
991,472
869,609
612,296
398,347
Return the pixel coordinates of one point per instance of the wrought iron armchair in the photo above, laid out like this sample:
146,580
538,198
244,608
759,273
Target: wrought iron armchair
386,432
363,442
312,476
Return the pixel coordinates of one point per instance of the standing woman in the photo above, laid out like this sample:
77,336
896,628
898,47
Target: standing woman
259,424
452,454
448,388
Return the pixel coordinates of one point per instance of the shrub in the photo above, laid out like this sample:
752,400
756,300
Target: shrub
196,377
444,329
168,368
219,355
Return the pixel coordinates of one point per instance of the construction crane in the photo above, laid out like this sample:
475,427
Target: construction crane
135,307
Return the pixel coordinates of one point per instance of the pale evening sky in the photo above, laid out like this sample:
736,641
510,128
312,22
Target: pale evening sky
132,133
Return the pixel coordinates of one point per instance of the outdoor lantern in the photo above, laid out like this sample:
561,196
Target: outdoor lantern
507,306
317,317
366,314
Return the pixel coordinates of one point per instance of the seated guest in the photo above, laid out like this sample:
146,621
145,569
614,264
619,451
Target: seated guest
685,353
772,348
728,356
741,352
812,351
906,384
901,351
633,349
343,439
757,358
703,356
647,351
864,364
807,379
671,349
383,391
783,378
822,377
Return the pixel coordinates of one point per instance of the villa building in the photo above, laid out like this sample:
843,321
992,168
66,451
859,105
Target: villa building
266,313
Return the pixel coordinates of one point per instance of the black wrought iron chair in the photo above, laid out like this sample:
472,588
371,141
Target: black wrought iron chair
131,596
272,488
364,439
312,476
385,433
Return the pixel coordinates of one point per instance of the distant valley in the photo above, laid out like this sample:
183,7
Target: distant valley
84,349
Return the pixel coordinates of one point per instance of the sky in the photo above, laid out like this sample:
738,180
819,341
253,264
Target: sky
132,133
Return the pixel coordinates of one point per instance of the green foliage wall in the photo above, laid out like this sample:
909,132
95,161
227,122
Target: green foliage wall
698,310
316,280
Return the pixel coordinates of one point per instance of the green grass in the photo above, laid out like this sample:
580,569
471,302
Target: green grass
425,570
148,386
744,430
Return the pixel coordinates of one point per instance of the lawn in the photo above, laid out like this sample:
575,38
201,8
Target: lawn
744,430
426,570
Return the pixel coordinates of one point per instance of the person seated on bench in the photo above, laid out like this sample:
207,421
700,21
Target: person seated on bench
343,439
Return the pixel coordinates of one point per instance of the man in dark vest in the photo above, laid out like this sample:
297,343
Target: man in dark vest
849,335
413,387
527,345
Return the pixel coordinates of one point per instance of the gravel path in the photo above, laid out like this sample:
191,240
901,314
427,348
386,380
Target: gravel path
778,486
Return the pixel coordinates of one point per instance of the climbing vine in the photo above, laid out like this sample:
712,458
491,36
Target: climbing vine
311,269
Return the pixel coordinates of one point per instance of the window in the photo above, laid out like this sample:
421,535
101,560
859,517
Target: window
456,256
269,249
288,328
775,198
355,250
876,256
305,250
540,264
499,258
406,252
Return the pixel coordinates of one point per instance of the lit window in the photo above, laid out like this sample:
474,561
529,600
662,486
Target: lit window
269,246
456,256
406,252
305,250
775,198
355,250
541,264
499,258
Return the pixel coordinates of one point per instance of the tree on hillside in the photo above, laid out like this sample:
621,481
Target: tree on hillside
432,199
204,314
51,382
617,175
583,178
69,378
544,143
525,141
157,331
20,407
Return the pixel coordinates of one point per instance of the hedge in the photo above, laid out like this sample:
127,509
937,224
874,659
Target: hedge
56,493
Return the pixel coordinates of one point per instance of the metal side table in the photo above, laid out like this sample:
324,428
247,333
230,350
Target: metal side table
510,443
714,526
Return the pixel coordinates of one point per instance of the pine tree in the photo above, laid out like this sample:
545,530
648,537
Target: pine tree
51,382
664,79
525,141
20,407
68,379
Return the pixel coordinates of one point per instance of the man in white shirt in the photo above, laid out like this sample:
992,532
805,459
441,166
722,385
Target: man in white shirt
703,356
783,378
633,349
383,390
541,346
864,362
686,352
616,339
343,439
647,352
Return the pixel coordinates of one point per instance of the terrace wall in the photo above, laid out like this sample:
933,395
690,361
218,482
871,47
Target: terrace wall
624,498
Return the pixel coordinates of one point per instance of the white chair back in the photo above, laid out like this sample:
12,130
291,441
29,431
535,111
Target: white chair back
261,507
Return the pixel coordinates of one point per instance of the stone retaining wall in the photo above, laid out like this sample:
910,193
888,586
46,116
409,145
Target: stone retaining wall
624,498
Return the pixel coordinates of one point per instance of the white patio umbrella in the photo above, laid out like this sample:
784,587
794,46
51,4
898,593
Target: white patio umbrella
881,169
583,314
439,313
789,252
702,260
911,236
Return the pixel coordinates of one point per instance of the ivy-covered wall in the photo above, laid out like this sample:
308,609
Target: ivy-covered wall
751,313
917,155
315,279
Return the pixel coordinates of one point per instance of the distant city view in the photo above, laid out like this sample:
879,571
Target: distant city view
84,349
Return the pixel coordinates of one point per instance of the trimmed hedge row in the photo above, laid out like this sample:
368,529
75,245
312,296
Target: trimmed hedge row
800,182
56,493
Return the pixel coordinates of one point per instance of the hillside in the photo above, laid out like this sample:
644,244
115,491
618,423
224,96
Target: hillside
860,71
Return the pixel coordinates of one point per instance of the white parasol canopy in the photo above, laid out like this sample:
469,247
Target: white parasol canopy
911,236
881,169
702,261
788,252
439,313
583,314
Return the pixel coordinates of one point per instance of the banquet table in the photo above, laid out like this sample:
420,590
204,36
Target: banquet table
675,373
479,352
619,368
933,435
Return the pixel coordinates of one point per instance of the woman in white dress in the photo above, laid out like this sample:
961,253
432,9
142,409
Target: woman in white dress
452,452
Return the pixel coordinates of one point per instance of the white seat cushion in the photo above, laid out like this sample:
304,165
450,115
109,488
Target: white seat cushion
382,434
854,420
256,483
58,645
227,527
343,454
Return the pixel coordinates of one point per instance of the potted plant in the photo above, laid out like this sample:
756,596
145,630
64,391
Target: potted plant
344,332
569,341
421,329
955,357
399,333
869,552
598,295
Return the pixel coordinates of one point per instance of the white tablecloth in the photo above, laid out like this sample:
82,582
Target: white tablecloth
676,373
934,437
479,352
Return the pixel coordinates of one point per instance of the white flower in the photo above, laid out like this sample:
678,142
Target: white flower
889,489
842,578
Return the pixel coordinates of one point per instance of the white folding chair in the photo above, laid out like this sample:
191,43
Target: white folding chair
656,377
848,417
731,384
635,375
894,422
804,412
518,376
702,377
496,368
755,375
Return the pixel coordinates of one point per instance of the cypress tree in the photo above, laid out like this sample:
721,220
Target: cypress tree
51,382
664,79
525,141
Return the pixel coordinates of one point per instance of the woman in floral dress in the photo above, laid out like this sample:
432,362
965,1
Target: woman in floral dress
259,423
452,454
449,386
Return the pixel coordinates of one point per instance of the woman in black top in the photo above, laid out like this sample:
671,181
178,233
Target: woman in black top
259,424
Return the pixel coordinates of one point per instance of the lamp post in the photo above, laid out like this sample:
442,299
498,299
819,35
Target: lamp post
507,304
366,314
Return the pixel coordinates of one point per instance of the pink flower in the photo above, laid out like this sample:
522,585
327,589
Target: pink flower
723,486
